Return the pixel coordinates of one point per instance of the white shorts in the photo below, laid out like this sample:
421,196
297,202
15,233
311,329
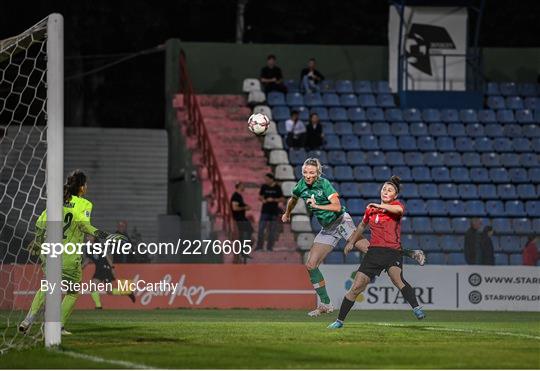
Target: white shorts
342,227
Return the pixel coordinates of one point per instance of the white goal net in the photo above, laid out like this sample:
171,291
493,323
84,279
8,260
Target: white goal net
23,176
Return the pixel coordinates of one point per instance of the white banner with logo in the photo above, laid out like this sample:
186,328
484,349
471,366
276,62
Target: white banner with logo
434,40
450,287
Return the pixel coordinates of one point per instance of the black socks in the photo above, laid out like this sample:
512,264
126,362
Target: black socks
346,306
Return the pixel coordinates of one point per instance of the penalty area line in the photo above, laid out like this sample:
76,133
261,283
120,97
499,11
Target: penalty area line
97,359
471,331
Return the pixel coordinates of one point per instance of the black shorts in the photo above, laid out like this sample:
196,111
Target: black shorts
104,274
378,259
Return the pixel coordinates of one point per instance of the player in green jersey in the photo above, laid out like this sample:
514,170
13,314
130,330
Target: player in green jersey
77,224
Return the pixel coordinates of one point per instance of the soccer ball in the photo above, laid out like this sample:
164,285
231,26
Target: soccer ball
258,123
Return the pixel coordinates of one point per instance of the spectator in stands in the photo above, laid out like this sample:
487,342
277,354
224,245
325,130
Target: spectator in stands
271,76
239,209
314,133
530,252
296,131
472,242
310,78
486,247
270,195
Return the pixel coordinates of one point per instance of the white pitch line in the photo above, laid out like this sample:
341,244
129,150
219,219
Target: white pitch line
471,331
97,359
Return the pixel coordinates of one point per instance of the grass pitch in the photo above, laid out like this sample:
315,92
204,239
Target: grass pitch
289,339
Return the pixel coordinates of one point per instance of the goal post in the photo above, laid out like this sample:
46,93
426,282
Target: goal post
55,171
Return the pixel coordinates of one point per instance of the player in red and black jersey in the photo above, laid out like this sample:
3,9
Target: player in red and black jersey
383,252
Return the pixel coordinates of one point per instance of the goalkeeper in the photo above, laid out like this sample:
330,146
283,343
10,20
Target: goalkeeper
76,217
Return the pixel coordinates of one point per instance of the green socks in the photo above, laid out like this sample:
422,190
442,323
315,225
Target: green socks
37,303
67,306
96,299
317,280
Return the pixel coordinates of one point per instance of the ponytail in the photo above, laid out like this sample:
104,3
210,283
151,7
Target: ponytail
394,181
74,182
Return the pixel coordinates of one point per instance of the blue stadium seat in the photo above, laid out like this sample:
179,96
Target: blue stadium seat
350,142
395,159
441,225
452,159
367,100
483,144
356,158
375,158
431,115
409,241
521,145
412,115
399,128
414,159
328,86
524,116
501,259
297,156
505,116
491,159
380,128
451,243
456,258
313,100
514,102
298,172
508,88
460,224
344,87
464,144
536,224
533,208
436,258
328,173
337,158
522,225
385,100
436,207
381,173
527,89
468,191
425,143
375,114
421,224
456,130
407,143
502,225
280,113
348,100
527,192
440,174
369,143
368,190
496,102
322,112
495,208
529,160
494,130
281,128
292,86
294,99
516,259
475,208
410,190
532,103
416,207
499,175
388,143
343,173
362,87
335,257
337,114
275,98
518,175
479,175
321,155
502,144
350,189
404,172
362,128
363,173
510,243
433,159
535,144
343,128
380,87
514,208
512,131
418,129
327,127
455,207
437,129
393,114
356,206
468,115
331,100
449,115
303,113
448,191
421,174
332,142
492,88
474,130
459,175
487,116
356,114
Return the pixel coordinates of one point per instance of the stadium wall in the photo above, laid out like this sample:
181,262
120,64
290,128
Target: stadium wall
220,68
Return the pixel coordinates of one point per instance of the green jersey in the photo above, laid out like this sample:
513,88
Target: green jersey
321,189
76,224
